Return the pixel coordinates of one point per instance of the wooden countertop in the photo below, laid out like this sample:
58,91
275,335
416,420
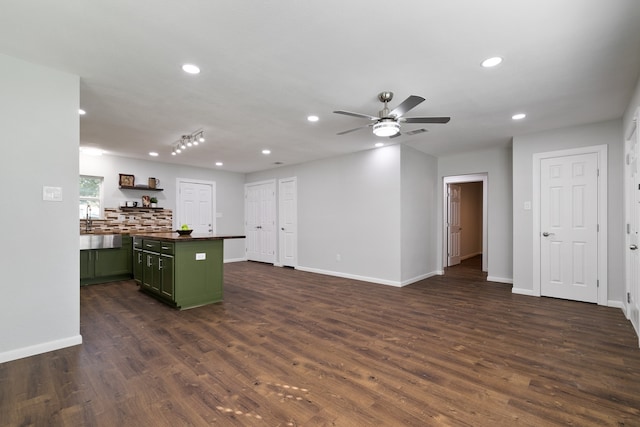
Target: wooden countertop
175,237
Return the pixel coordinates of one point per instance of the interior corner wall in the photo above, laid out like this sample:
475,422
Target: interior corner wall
348,206
40,264
524,147
419,173
496,163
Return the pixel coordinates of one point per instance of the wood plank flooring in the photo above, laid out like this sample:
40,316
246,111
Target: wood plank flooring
290,348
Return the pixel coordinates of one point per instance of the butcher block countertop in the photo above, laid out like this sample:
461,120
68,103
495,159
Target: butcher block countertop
175,237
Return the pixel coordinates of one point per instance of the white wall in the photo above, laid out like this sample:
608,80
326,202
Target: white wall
375,208
40,264
418,217
348,205
496,163
229,190
524,147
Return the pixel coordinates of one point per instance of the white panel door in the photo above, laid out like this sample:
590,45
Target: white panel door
633,228
453,224
260,222
196,205
569,226
288,218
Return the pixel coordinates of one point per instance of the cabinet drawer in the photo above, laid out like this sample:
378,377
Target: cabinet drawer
137,242
151,245
168,248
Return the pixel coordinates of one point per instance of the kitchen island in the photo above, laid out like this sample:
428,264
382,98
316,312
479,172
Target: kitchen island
182,271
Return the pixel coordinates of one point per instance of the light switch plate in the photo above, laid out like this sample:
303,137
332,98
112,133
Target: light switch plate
527,206
52,194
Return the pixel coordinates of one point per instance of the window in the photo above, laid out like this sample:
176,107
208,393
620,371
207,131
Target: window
90,196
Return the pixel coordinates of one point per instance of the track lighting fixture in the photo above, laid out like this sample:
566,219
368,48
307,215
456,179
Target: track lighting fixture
187,141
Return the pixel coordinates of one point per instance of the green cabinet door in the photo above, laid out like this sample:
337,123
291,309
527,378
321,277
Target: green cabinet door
138,263
166,276
112,262
150,277
86,265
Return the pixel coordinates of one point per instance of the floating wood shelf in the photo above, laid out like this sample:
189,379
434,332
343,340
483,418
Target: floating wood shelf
140,187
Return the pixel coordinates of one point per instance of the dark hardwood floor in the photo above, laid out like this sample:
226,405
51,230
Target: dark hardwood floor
290,348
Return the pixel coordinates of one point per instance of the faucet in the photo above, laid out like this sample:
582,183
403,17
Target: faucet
89,222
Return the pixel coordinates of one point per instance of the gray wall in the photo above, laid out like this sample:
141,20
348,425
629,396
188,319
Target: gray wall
229,190
496,163
348,205
524,147
374,208
40,264
418,216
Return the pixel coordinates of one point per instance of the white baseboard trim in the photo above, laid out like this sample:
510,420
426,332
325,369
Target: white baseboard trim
351,276
418,278
234,260
521,291
46,347
499,279
439,272
616,304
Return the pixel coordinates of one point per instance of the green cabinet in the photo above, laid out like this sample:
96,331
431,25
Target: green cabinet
106,265
183,273
138,259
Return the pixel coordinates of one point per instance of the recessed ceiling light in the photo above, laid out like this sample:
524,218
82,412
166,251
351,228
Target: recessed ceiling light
219,163
153,154
519,116
191,69
313,118
82,112
265,152
379,144
491,62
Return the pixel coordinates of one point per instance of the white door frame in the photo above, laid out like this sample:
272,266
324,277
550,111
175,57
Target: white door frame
459,179
629,301
180,181
601,151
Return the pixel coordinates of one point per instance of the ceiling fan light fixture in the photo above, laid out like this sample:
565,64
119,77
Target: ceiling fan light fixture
386,127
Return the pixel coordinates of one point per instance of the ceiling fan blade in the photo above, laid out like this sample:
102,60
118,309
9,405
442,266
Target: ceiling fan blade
415,132
353,130
411,132
425,119
406,105
363,116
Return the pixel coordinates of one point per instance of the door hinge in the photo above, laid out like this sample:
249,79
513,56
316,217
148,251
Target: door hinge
628,228
597,283
597,172
628,297
598,228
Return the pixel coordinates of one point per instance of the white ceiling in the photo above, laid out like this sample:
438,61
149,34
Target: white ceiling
266,65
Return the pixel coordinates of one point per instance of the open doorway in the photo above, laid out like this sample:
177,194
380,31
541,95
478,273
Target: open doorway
465,221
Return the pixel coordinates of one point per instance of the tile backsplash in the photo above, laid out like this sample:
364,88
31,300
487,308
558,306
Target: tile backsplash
130,220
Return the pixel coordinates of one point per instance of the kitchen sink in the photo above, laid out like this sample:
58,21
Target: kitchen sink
100,241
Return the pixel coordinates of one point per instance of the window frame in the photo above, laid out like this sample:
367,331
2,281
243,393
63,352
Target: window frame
99,200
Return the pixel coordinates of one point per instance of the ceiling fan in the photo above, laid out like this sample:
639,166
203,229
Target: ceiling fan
388,122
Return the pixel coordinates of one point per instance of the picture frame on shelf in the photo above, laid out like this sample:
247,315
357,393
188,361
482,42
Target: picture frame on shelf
127,180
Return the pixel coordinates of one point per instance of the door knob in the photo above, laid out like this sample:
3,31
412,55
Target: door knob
547,234
633,247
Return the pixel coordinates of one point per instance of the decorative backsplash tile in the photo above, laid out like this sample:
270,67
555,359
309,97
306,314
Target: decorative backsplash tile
130,220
